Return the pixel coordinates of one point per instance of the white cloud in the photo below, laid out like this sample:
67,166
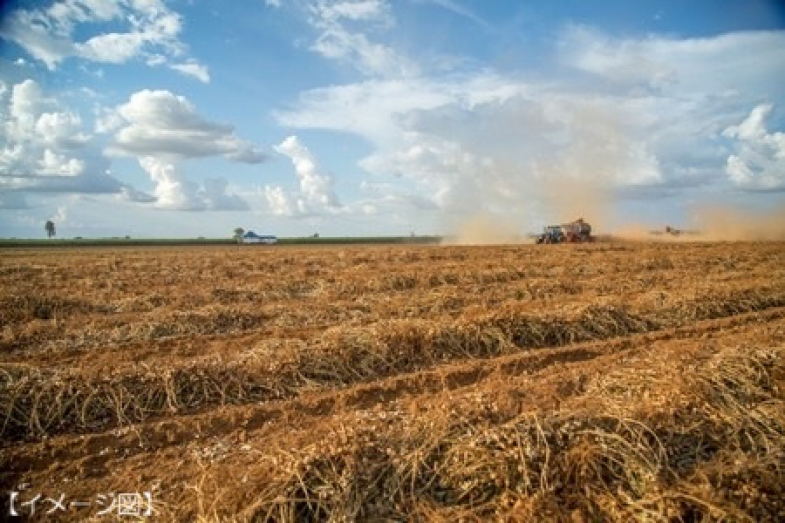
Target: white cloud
45,148
155,60
759,159
486,139
161,130
174,192
87,182
215,194
130,194
26,104
162,125
750,61
61,129
364,10
377,107
621,118
171,191
352,44
36,33
194,69
65,14
115,48
150,32
753,128
60,165
315,186
316,193
279,202
107,120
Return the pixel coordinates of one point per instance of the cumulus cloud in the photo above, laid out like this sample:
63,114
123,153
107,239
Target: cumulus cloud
759,159
215,194
174,192
61,129
279,202
621,118
58,164
486,141
171,191
45,147
316,189
162,125
150,31
162,130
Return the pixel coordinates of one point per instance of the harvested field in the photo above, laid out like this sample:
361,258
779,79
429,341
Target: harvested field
599,382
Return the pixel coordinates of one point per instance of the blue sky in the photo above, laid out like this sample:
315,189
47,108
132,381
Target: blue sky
369,117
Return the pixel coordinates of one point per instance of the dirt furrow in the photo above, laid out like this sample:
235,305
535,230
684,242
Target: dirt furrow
36,404
265,417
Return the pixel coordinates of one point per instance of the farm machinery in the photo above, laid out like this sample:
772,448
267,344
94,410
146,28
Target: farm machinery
578,231
673,231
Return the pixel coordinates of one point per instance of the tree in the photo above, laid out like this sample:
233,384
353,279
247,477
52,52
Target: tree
238,234
50,228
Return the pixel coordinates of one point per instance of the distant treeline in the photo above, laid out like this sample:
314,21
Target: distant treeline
141,242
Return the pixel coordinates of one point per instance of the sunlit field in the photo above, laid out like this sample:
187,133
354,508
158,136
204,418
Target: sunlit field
598,382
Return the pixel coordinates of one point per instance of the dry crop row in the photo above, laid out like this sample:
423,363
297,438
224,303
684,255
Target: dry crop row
675,429
609,382
118,301
354,272
726,437
35,403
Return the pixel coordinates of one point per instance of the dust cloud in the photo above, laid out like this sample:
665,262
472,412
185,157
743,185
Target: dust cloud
579,181
707,222
562,199
568,198
640,232
486,229
715,222
577,174
727,223
568,178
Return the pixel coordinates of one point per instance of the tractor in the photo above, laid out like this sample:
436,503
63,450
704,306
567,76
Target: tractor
578,231
551,234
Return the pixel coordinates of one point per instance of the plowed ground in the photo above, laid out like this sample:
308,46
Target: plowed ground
613,381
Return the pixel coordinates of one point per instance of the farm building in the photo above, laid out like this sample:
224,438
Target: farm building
252,237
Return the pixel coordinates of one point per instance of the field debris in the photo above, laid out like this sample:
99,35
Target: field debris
608,381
